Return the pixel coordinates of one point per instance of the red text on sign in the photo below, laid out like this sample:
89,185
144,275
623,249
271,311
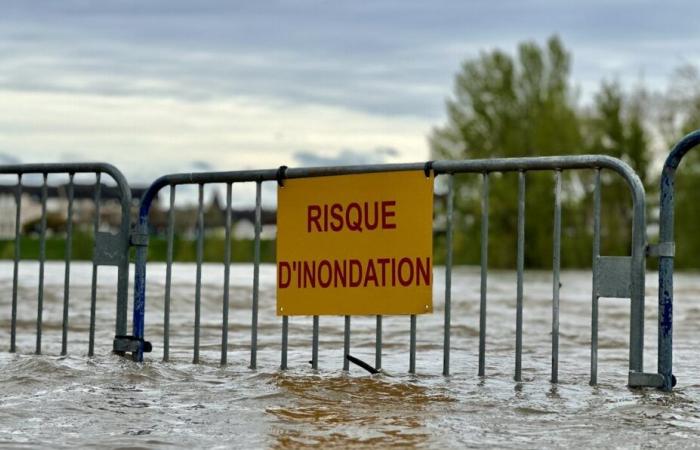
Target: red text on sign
355,216
354,273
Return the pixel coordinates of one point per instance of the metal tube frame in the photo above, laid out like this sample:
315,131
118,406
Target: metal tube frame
594,295
520,275
483,166
666,257
93,290
121,240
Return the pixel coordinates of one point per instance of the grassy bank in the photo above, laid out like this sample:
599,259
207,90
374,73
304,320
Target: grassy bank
184,250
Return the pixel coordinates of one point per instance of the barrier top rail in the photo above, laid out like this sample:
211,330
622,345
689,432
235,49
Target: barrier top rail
442,167
439,167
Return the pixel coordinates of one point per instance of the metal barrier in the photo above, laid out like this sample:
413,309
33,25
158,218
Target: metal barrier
665,251
109,249
621,277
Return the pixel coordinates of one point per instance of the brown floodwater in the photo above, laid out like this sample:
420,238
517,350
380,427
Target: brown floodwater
110,402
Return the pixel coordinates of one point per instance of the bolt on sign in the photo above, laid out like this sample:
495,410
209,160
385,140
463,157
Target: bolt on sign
355,244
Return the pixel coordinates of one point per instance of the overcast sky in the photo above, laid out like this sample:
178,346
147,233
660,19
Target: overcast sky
165,86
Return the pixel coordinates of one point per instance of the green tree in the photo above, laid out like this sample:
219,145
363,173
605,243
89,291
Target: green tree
616,128
507,106
679,115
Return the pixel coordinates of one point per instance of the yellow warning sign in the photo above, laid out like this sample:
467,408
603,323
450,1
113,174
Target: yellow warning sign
355,245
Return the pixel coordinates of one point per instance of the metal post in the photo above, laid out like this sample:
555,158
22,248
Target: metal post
15,270
666,260
666,263
168,275
140,276
594,299
42,260
227,275
285,343
93,286
520,268
556,262
484,271
346,344
314,343
448,277
68,256
412,347
378,345
198,286
256,276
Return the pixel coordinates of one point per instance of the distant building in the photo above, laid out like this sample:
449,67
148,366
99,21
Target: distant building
57,208
8,213
242,221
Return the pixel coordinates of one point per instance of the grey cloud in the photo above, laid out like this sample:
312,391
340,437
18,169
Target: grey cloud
386,57
392,87
6,158
345,157
203,166
73,156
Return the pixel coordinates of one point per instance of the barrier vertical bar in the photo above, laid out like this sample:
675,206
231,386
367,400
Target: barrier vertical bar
666,260
168,274
285,343
346,344
638,253
123,268
412,347
93,286
378,345
314,343
42,260
594,296
556,262
142,231
68,256
256,277
484,271
227,275
448,277
666,266
15,269
198,286
520,269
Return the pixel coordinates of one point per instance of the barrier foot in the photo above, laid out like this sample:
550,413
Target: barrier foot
657,380
130,344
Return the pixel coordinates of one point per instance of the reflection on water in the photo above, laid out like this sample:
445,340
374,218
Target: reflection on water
109,402
325,412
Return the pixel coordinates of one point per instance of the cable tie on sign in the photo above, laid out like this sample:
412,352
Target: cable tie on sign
281,175
427,168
